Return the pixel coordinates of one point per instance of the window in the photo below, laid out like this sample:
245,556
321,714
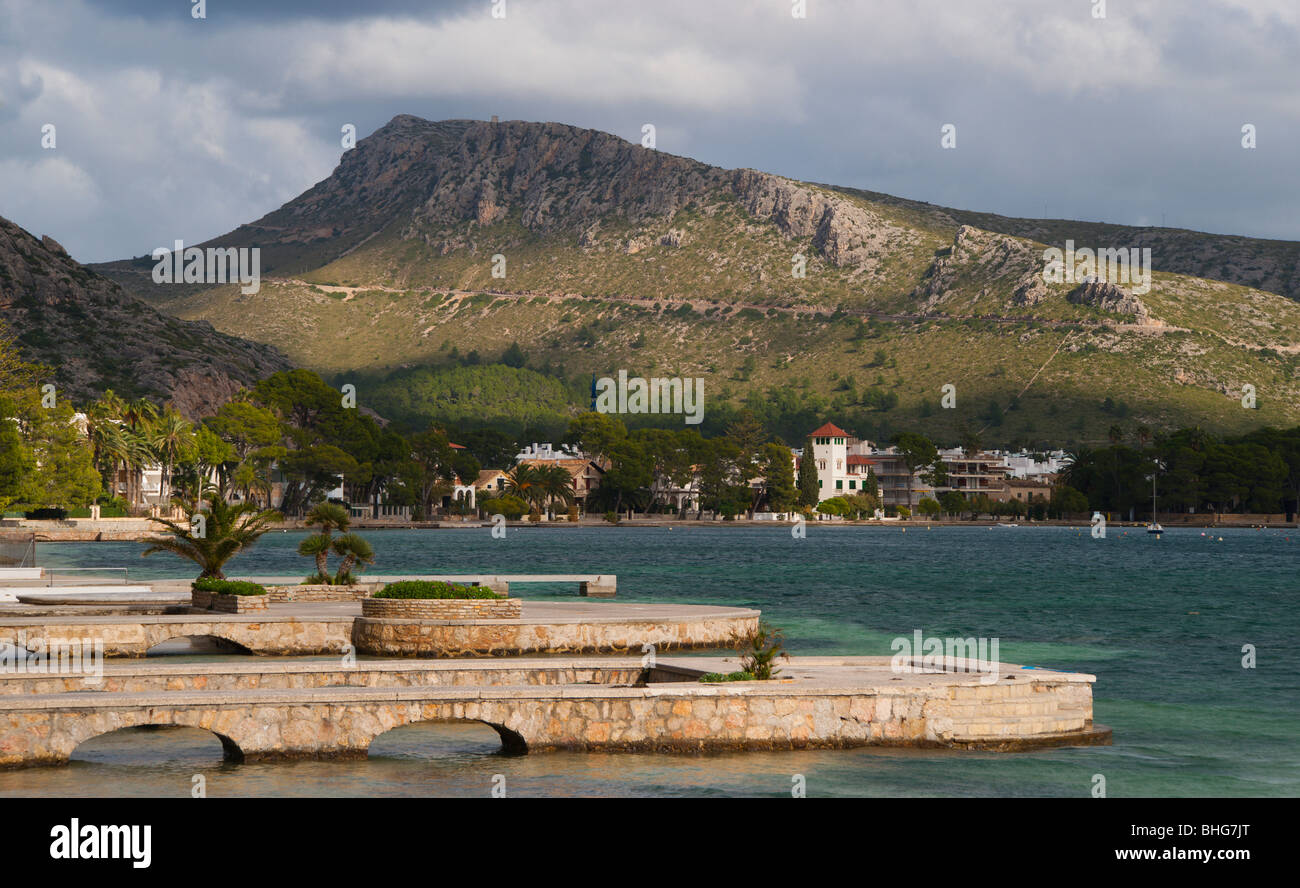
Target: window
853,485
839,485
821,483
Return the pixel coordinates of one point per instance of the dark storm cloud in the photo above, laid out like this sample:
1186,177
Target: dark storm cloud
173,128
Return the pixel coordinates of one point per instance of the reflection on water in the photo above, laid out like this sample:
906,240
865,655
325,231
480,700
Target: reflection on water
461,760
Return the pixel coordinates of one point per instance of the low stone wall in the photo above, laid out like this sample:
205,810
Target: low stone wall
289,636
425,638
441,608
284,675
237,604
227,604
331,630
1052,710
319,592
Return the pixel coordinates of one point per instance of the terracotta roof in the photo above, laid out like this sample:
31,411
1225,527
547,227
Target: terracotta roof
487,476
830,430
855,460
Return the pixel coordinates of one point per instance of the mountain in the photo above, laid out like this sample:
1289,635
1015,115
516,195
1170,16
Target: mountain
620,257
93,335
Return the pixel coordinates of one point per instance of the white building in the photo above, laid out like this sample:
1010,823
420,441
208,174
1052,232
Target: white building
1028,466
842,461
548,453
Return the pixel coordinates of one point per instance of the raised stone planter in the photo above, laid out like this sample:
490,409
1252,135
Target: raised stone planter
228,604
304,592
441,608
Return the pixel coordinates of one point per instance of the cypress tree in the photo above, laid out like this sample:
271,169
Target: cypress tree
809,492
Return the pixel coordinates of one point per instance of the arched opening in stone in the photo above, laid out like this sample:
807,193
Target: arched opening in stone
449,738
196,646
178,746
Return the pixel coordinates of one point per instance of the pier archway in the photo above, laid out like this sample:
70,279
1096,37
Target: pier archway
195,644
452,736
150,742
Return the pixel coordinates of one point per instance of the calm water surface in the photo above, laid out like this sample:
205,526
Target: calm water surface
1160,622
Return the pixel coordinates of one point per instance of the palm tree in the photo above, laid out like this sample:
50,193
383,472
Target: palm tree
137,455
223,532
526,482
112,449
139,413
557,483
355,551
169,436
330,517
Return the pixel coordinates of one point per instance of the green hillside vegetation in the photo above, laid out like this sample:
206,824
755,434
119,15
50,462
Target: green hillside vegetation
621,258
513,400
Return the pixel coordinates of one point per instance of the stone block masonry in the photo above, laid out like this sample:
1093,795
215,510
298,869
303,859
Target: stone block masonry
237,604
133,636
316,628
442,608
310,593
406,637
825,703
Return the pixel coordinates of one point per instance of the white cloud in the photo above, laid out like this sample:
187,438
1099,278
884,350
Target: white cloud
186,129
49,192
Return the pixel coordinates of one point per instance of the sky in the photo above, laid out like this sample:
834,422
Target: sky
169,127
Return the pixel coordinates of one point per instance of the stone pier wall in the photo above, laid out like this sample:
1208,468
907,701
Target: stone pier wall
662,717
132,637
416,638
286,676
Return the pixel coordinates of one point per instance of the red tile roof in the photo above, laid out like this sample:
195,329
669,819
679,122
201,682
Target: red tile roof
830,430
855,460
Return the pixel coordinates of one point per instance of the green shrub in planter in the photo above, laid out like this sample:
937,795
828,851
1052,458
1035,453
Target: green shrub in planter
715,677
227,587
434,589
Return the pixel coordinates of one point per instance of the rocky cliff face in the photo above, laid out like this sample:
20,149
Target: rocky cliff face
1108,297
436,181
991,261
846,233
93,336
559,177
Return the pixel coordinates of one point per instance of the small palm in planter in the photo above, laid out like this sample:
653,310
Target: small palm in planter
353,549
356,553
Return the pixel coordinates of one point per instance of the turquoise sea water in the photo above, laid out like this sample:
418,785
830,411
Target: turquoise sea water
1160,622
